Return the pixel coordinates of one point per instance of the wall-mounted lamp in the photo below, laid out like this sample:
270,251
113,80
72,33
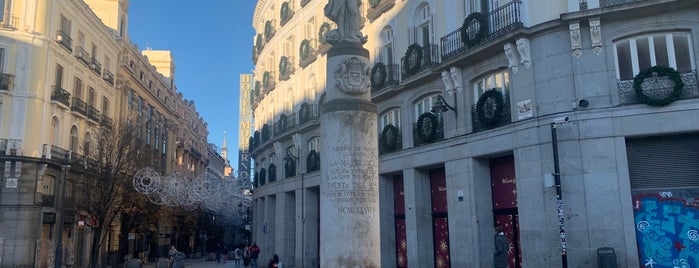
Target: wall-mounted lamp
441,105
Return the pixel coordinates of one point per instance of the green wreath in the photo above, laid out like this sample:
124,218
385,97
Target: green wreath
389,138
257,88
659,71
413,50
266,79
426,128
259,43
324,28
272,172
283,65
289,167
265,133
268,30
482,21
490,107
378,76
282,122
374,3
304,49
263,176
256,138
303,113
312,161
284,12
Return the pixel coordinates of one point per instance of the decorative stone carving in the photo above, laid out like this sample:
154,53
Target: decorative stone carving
448,83
298,140
575,40
456,77
523,49
279,149
596,35
512,58
352,76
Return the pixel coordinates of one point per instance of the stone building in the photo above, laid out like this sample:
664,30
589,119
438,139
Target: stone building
68,71
552,123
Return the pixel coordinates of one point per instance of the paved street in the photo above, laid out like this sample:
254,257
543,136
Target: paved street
201,263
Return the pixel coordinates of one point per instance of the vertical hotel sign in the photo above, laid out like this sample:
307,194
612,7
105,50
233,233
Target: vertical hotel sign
245,128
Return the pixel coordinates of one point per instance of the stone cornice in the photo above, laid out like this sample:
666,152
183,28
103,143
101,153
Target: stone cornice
86,12
258,11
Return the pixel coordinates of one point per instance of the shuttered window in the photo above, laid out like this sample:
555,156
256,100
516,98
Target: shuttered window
670,161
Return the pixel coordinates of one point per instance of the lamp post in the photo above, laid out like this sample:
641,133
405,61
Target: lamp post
559,193
441,105
65,166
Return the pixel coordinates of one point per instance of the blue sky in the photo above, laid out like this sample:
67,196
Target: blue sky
211,42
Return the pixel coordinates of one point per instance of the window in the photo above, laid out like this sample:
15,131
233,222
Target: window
391,117
59,76
424,105
86,147
386,53
73,142
471,6
78,88
422,33
130,101
314,144
289,103
91,96
498,80
105,105
65,25
81,39
149,123
309,31
94,51
639,53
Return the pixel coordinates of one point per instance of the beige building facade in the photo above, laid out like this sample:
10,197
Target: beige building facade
473,97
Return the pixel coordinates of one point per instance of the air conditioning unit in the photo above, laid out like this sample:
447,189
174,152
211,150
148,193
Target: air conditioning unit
59,38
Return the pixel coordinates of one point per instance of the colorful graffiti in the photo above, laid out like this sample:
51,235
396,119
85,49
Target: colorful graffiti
667,230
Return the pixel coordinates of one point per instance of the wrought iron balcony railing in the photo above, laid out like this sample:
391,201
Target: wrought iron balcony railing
106,121
285,124
608,3
96,66
9,21
500,21
308,113
82,55
504,118
659,89
438,135
64,40
430,58
108,76
60,95
3,146
79,106
392,78
7,81
93,113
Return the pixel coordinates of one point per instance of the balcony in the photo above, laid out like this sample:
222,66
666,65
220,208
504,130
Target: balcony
64,40
285,14
658,89
307,52
60,95
269,30
79,106
268,83
500,21
82,55
414,65
608,3
7,82
286,68
384,77
93,113
284,124
108,76
96,66
308,113
106,121
428,136
9,22
389,143
379,7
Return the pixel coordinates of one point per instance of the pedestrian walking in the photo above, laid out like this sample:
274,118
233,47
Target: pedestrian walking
237,255
218,253
502,249
246,256
254,254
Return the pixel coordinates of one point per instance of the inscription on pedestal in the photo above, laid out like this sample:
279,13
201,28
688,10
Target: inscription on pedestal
350,180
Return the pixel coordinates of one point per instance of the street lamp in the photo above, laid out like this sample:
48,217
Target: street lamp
559,192
441,105
65,166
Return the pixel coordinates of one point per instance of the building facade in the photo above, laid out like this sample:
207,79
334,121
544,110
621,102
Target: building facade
69,71
574,127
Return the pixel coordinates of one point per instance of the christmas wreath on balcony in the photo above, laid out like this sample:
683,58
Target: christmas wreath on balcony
285,12
265,133
263,176
389,138
374,3
658,71
426,128
304,113
282,122
269,30
272,170
259,43
257,88
312,161
266,77
378,76
489,107
304,49
324,28
283,65
478,20
289,167
412,67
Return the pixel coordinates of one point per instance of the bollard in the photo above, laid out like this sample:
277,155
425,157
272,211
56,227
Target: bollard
606,257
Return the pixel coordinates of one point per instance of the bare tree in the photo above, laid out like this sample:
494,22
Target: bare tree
116,153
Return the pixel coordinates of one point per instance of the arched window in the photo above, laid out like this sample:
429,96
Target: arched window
73,143
424,105
386,53
423,30
664,49
390,117
314,144
499,80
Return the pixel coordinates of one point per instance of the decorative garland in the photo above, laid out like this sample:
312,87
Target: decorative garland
324,28
303,113
426,127
259,43
283,65
263,176
304,49
389,138
487,114
312,161
257,88
659,71
272,172
265,133
289,167
268,30
374,3
482,21
265,79
284,12
378,76
415,50
282,122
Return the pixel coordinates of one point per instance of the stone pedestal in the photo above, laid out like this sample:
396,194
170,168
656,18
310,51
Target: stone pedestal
349,201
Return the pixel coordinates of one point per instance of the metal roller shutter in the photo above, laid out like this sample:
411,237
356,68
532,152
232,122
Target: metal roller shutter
663,161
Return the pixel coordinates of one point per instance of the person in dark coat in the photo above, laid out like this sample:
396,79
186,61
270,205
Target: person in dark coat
502,249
